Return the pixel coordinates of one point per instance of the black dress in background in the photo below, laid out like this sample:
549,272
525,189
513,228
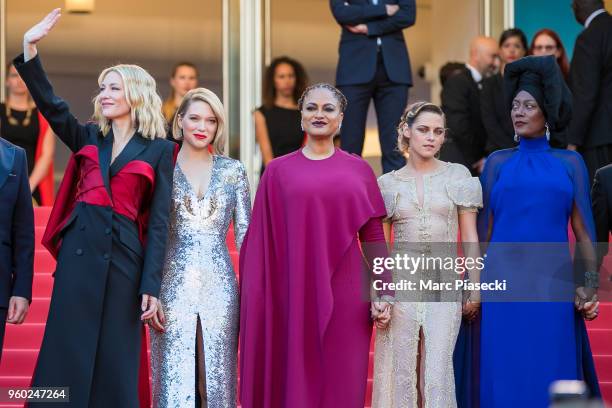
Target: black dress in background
284,130
25,137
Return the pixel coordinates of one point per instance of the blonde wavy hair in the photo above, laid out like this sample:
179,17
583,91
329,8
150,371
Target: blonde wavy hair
141,95
408,118
207,96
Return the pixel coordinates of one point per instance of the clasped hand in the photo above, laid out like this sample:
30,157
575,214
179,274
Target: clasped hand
587,302
381,314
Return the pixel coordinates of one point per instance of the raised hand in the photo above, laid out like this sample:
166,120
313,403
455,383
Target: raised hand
38,32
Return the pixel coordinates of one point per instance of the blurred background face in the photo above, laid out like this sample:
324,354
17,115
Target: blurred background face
284,79
426,135
485,57
321,116
14,83
184,80
112,96
527,117
511,50
199,124
545,45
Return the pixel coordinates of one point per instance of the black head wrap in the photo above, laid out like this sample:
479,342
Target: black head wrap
542,79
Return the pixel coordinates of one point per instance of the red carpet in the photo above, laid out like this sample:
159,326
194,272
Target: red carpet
22,342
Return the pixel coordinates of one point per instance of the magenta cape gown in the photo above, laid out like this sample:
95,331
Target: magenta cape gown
305,323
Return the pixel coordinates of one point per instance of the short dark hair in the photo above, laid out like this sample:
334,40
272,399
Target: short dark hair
514,32
269,91
322,85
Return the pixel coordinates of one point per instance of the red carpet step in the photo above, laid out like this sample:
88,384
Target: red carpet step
23,342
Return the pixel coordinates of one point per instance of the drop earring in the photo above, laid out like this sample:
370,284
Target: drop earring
517,138
302,126
547,131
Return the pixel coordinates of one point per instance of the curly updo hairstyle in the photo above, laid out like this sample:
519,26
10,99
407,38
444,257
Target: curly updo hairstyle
410,116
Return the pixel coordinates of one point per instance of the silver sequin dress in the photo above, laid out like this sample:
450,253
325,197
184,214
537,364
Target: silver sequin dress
199,280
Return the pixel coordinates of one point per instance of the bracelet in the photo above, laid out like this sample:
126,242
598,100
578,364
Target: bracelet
591,279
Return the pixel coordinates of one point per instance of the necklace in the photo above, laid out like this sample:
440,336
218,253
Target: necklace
13,121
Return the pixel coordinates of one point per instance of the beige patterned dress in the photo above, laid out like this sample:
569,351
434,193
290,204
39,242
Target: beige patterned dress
427,227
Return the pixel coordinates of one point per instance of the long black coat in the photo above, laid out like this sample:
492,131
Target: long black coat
93,335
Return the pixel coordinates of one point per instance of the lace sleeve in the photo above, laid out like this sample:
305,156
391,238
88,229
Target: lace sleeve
466,193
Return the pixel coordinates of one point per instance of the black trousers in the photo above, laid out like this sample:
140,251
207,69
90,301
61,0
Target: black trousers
595,158
389,101
3,313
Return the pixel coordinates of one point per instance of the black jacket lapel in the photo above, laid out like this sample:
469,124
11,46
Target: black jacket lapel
134,147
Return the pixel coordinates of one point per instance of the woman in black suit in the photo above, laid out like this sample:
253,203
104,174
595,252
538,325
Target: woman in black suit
495,117
107,230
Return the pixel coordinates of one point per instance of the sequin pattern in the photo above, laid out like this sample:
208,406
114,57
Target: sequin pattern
199,280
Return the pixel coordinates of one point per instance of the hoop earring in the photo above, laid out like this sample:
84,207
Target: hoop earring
547,131
517,138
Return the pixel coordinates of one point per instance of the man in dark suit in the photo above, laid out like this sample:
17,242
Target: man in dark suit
590,130
601,197
16,237
374,64
465,142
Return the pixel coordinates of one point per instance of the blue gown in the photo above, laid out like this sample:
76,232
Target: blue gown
530,335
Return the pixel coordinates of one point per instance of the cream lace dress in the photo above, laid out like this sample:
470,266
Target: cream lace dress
425,227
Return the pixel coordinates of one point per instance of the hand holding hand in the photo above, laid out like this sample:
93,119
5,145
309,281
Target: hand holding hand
470,310
148,306
584,295
381,313
159,319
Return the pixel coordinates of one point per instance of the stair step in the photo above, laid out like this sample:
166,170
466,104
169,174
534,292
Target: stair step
42,287
39,309
43,262
39,230
601,341
604,320
18,362
23,336
41,215
14,381
603,365
606,391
